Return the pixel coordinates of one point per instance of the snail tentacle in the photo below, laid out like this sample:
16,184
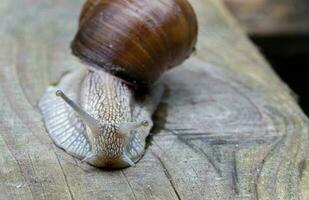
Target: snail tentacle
128,127
88,119
128,160
64,126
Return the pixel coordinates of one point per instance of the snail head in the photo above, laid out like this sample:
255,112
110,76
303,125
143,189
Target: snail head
122,130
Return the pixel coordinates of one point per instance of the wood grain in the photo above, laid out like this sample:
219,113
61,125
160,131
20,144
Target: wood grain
227,127
268,17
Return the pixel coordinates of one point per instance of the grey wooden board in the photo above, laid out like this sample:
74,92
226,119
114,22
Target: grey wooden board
271,17
227,127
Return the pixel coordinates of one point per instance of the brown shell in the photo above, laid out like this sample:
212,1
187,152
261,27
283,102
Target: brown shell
136,40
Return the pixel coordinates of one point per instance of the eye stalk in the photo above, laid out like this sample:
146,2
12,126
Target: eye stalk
88,119
145,123
127,127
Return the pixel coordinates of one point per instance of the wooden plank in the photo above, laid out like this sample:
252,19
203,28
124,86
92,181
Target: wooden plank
227,127
266,17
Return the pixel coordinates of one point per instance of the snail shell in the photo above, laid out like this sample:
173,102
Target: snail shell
99,118
135,40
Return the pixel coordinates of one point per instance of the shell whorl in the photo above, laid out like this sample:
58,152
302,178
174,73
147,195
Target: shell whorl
136,40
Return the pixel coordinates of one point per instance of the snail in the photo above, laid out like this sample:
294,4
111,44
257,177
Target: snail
98,114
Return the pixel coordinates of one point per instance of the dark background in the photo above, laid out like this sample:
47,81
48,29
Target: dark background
289,56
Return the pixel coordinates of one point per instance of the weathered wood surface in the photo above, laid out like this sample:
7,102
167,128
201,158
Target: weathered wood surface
227,127
264,17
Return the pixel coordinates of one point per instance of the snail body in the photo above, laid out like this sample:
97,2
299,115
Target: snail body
124,45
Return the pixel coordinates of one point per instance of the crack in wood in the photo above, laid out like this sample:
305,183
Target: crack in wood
65,178
301,167
168,175
197,150
19,165
273,148
129,184
34,178
226,138
235,174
